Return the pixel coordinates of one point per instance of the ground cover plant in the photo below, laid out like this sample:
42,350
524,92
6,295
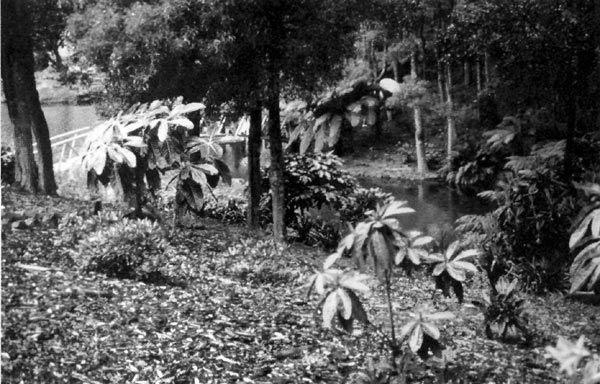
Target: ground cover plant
240,317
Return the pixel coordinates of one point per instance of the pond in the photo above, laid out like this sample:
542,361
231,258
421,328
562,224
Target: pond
435,203
60,117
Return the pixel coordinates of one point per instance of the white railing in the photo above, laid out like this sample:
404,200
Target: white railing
67,141
68,144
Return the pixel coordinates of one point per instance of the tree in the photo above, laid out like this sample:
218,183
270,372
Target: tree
541,55
49,20
23,100
254,176
287,59
248,53
419,130
407,26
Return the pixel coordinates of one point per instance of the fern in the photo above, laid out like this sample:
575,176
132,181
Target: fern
545,156
491,196
483,224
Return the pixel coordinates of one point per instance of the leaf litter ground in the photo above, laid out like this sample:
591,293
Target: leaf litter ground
239,316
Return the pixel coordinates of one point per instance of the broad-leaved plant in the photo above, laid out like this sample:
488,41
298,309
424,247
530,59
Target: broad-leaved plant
585,243
450,268
570,355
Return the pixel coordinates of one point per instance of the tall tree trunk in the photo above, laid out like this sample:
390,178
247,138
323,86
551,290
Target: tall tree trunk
345,144
570,102
383,62
450,113
486,67
42,136
478,75
440,76
254,177
396,70
25,168
58,61
12,83
277,161
24,105
466,73
140,185
419,131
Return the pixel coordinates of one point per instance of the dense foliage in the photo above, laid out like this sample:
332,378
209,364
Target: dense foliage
133,150
527,236
312,181
128,249
584,243
209,51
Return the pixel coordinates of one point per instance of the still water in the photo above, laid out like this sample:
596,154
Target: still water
60,117
434,202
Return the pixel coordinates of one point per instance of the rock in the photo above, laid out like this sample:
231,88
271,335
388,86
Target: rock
287,353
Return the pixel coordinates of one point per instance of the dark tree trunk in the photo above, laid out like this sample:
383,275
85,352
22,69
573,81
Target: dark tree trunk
396,70
570,102
25,168
57,61
440,76
277,162
22,98
345,144
140,185
478,75
254,177
42,136
486,67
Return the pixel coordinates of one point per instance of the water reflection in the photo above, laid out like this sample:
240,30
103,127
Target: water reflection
434,202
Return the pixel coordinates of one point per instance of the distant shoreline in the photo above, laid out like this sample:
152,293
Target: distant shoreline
52,92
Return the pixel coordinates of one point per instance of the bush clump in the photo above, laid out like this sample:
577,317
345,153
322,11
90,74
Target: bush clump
132,249
312,180
360,201
230,211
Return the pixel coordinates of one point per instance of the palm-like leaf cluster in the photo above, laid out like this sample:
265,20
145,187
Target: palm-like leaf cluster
422,334
379,241
506,316
339,302
450,268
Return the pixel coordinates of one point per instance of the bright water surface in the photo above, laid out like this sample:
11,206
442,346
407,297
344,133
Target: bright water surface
434,202
60,117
